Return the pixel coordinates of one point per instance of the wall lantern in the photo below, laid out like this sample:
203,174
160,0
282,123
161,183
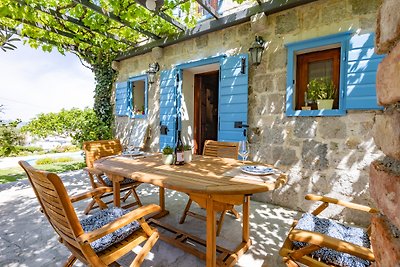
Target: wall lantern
256,50
151,73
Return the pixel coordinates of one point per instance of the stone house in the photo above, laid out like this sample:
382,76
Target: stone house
207,88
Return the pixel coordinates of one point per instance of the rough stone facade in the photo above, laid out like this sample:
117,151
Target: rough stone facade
385,174
322,155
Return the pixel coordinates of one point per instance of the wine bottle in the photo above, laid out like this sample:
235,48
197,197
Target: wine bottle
179,160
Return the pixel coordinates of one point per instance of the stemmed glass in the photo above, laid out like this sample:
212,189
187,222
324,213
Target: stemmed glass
243,150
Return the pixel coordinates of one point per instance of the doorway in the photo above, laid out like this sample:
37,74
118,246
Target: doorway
205,108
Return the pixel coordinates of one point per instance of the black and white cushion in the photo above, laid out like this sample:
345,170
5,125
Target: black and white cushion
334,229
103,217
108,181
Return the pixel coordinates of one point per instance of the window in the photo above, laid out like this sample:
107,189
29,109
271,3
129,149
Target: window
138,103
324,65
347,59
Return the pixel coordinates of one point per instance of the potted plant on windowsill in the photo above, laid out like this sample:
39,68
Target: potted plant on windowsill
322,91
187,153
168,155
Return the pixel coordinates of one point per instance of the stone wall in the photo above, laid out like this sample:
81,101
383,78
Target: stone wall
385,174
323,155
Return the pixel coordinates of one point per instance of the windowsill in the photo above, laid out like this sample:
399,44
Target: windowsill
315,113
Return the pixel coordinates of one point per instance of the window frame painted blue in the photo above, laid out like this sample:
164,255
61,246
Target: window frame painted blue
131,80
342,40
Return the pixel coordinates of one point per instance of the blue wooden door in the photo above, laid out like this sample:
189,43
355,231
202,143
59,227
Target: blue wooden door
168,108
233,98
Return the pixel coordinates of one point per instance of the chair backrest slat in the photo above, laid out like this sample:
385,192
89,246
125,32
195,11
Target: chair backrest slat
95,150
221,149
55,203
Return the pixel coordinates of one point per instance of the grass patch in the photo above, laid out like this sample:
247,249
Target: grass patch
46,161
16,173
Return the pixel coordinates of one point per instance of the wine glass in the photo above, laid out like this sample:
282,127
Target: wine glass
243,150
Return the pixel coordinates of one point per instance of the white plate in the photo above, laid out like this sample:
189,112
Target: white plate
132,153
257,170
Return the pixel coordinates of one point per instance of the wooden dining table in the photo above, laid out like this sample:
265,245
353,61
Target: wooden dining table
206,179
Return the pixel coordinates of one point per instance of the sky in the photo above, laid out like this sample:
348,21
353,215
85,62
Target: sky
33,82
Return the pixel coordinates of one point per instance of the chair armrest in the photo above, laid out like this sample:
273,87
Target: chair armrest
119,223
91,193
341,203
331,242
93,171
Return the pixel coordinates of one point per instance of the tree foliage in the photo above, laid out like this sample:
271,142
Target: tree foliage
80,125
10,138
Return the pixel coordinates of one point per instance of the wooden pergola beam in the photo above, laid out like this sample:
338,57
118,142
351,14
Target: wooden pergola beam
75,21
51,29
114,17
211,10
230,20
164,16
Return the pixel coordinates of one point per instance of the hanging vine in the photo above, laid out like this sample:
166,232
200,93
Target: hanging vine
104,77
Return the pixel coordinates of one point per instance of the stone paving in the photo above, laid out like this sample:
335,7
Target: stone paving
26,238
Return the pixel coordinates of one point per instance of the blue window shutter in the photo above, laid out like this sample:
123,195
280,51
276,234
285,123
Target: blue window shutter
168,107
361,73
233,97
122,99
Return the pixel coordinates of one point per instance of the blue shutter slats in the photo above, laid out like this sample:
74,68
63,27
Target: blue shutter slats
122,99
233,97
361,73
168,110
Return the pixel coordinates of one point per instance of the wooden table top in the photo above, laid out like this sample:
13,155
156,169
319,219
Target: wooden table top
204,175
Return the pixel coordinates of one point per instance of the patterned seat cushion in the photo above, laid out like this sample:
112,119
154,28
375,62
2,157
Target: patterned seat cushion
103,217
334,229
109,182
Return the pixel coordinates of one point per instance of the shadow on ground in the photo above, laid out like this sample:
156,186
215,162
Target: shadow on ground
26,238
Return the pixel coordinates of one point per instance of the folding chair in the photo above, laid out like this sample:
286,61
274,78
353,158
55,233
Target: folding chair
316,241
95,150
222,150
100,239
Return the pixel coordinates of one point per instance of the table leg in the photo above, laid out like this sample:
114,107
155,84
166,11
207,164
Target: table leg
116,189
211,242
246,219
163,212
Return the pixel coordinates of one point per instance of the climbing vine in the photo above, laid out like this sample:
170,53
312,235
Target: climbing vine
104,77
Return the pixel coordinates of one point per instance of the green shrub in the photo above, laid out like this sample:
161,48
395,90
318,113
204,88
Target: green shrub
63,159
167,150
10,138
44,161
321,88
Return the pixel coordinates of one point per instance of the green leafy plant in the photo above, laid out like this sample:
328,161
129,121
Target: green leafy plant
80,125
187,147
6,39
167,150
320,88
10,137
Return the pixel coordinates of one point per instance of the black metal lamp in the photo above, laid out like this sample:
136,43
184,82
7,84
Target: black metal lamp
256,50
151,73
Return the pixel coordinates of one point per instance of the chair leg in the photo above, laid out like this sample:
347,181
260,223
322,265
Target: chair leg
235,212
145,249
126,195
289,262
70,261
189,203
220,222
89,207
135,194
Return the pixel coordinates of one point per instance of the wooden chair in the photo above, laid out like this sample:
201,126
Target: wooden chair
95,150
320,242
100,239
222,150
